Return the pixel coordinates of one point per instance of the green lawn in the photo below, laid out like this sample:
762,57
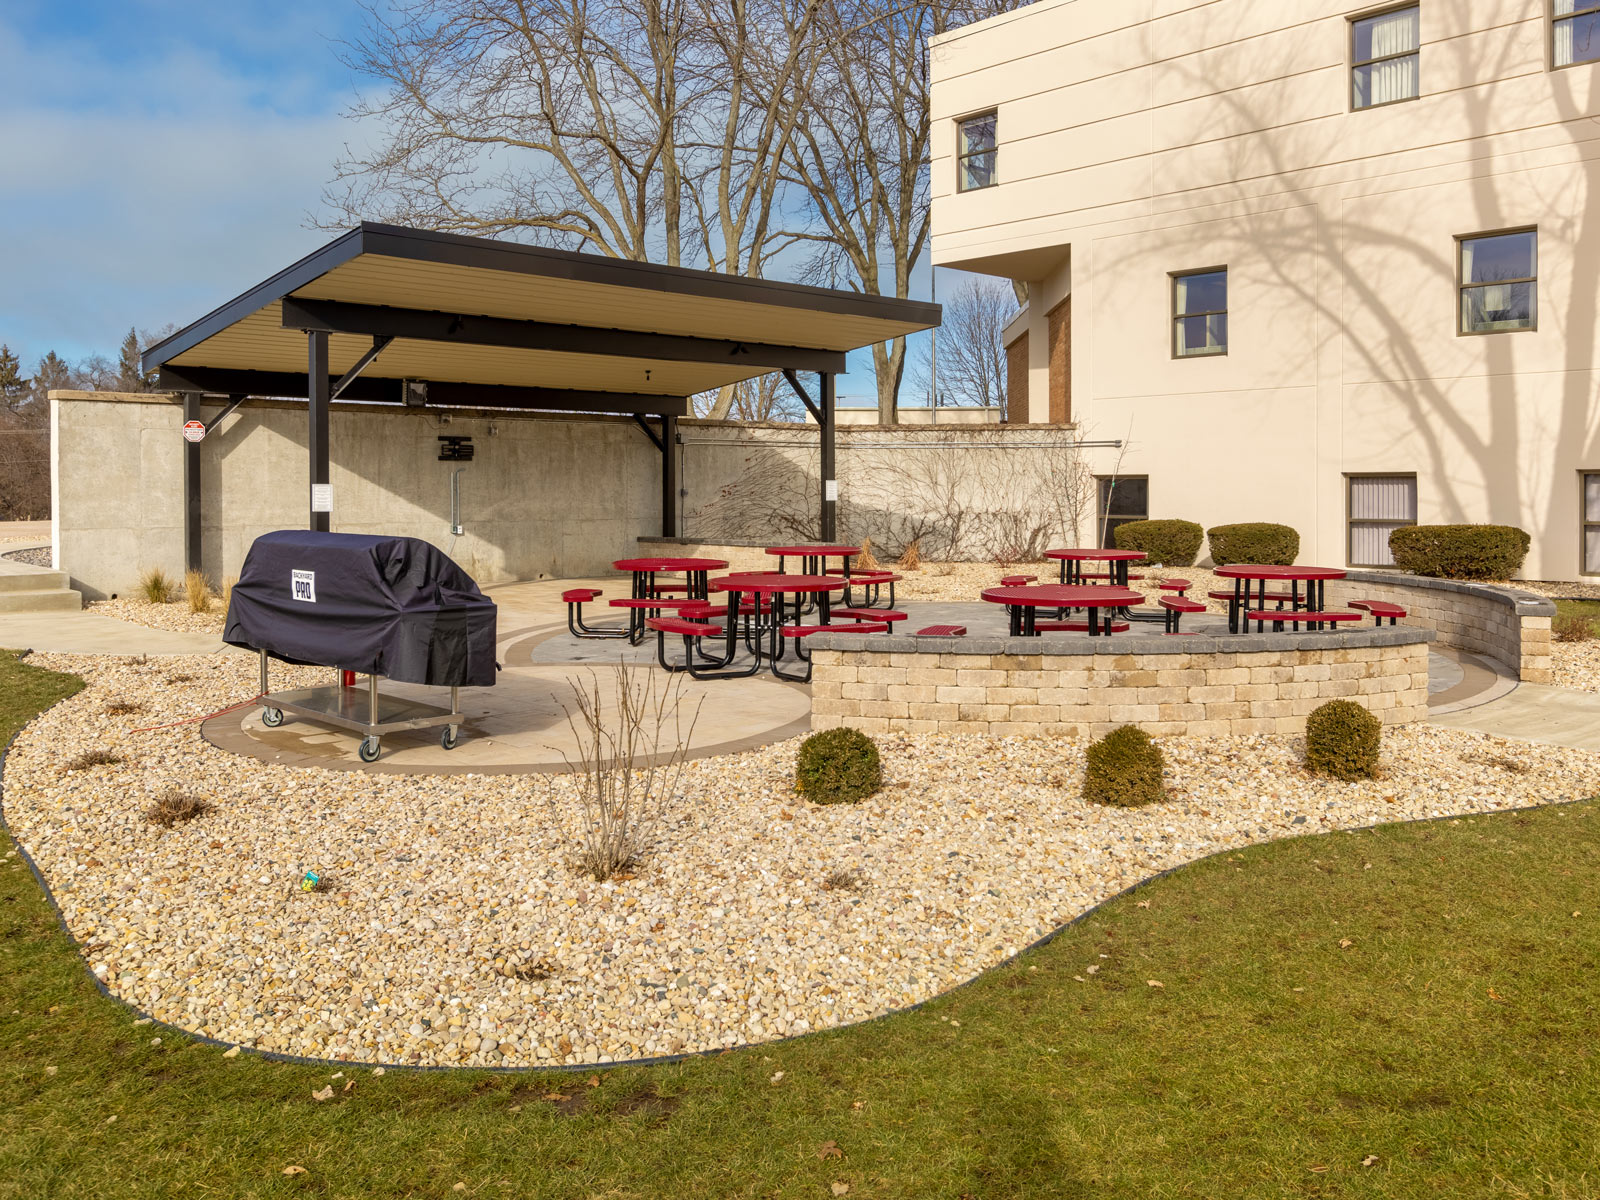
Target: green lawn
1419,999
1589,610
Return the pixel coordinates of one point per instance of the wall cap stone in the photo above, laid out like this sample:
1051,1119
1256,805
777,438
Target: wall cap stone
1523,603
1123,643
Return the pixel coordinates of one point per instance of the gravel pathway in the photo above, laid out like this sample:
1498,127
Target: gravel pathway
456,932
38,556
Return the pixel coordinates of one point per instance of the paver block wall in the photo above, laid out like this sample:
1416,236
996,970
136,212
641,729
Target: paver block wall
1088,695
1505,624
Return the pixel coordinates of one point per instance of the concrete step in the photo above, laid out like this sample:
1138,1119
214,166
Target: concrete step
32,580
52,600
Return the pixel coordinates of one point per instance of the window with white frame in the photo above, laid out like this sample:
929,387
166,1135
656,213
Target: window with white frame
1379,504
1385,57
1591,522
977,149
1200,313
1576,32
1500,282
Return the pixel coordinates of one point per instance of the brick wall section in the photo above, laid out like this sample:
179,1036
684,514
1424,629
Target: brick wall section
1088,695
1503,623
1059,321
1017,381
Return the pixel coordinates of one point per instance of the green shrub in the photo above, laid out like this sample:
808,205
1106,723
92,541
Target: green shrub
1124,769
1253,542
1342,740
1460,551
1570,627
1170,543
838,766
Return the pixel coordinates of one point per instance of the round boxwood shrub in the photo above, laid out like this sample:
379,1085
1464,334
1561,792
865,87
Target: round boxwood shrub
1253,542
1170,543
838,766
1460,551
1342,740
1124,769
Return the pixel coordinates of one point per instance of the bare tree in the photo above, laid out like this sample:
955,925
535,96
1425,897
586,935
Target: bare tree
972,353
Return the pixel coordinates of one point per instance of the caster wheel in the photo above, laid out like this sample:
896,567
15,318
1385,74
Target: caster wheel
272,717
450,737
370,749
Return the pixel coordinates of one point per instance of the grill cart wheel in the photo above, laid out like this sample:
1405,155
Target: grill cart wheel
369,750
449,737
272,717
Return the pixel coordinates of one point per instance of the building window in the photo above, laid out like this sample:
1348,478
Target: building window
1499,282
1123,498
1591,523
976,149
1379,504
1200,313
1577,32
1384,54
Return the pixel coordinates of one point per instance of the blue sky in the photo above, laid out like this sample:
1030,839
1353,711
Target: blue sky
159,156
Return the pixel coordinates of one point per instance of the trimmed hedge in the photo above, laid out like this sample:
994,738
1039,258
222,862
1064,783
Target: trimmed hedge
1253,542
1343,740
1124,769
838,766
1168,542
1474,552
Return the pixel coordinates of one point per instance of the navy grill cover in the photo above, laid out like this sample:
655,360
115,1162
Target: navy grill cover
391,606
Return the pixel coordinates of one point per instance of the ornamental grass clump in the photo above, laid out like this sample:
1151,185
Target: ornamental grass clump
157,586
1343,740
1168,542
1124,769
838,766
197,590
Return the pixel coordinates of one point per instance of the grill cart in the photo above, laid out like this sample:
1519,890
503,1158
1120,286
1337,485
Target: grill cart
391,607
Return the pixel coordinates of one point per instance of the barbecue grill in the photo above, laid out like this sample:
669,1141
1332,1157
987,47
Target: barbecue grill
394,608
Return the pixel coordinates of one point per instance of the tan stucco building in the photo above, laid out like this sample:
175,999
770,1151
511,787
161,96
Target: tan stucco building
1253,233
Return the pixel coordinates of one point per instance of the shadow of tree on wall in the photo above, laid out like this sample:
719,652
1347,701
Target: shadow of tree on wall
1465,456
982,494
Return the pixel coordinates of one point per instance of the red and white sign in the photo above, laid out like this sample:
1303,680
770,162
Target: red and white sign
194,431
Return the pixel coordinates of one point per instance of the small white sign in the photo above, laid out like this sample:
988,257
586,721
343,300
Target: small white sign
830,489
322,497
194,431
303,586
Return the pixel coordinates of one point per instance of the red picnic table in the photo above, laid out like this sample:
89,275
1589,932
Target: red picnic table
1023,603
1073,558
646,597
1311,605
763,621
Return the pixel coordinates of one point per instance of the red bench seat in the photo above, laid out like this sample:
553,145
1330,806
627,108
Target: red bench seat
1175,607
1379,610
1175,585
686,628
1276,597
1017,580
1282,616
1075,626
580,595
867,614
805,631
943,631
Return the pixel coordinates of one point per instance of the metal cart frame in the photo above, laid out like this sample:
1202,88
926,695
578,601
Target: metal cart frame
341,706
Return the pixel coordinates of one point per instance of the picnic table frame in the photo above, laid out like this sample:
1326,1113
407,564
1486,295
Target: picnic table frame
696,573
1261,574
1022,603
767,625
1072,559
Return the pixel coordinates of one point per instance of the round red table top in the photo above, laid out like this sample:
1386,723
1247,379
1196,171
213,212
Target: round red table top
669,564
1267,571
814,551
1089,555
1056,595
773,583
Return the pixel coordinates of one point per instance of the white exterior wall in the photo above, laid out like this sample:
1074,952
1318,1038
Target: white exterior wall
1142,137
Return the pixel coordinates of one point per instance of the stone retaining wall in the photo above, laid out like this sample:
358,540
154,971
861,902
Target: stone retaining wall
1503,623
1205,686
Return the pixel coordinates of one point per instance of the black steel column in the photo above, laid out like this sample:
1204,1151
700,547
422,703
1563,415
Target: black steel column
191,487
318,386
830,482
669,476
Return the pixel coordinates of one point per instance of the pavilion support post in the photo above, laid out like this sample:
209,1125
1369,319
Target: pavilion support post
191,487
319,388
830,480
669,476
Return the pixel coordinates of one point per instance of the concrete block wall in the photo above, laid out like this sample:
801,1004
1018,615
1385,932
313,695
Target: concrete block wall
1061,692
1505,624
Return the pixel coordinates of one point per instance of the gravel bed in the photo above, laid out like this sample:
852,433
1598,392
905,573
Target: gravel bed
1559,590
38,556
457,932
174,617
1576,665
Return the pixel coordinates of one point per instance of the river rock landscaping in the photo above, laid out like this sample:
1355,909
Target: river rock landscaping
453,929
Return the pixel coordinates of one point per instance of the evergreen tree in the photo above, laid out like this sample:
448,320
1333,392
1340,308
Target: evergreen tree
52,373
13,387
129,377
